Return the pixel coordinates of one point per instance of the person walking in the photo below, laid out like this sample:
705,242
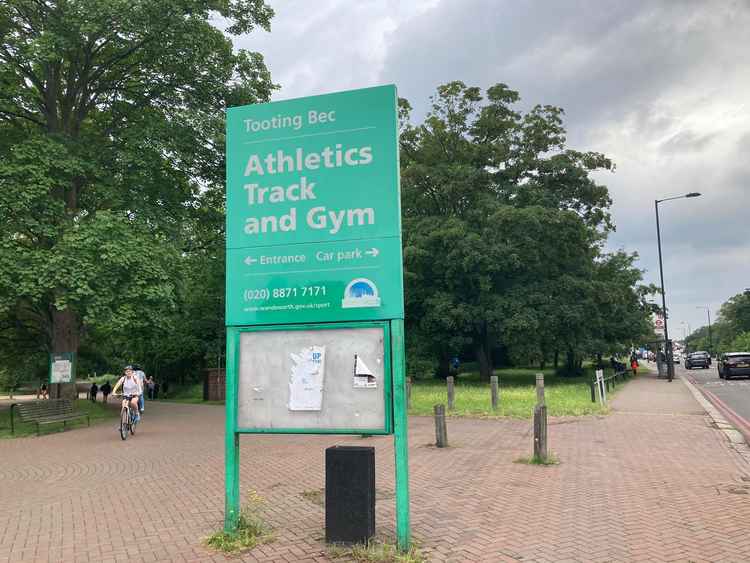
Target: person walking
106,390
93,392
634,365
141,377
151,386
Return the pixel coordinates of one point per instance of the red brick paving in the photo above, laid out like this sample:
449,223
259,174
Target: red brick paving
644,484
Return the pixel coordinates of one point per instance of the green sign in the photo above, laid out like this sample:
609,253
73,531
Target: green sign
313,210
314,237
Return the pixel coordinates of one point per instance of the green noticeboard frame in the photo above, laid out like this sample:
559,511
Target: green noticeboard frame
395,424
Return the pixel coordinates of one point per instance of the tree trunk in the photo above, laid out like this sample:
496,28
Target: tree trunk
64,340
483,350
483,360
557,359
444,367
572,363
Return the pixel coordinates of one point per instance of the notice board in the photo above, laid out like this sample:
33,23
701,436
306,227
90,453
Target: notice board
314,379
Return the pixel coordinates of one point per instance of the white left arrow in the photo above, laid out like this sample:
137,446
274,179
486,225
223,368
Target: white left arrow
250,260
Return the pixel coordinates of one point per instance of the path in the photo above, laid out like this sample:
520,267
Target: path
654,481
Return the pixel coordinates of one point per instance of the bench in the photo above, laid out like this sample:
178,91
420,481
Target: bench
45,412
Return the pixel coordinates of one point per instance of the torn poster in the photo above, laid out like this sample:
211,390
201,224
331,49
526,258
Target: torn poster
306,380
363,376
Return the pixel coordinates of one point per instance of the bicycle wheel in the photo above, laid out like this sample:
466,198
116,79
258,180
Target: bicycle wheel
124,423
133,423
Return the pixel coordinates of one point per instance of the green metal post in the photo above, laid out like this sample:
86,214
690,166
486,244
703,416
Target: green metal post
401,431
232,438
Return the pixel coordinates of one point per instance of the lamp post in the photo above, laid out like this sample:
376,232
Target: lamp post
667,342
710,340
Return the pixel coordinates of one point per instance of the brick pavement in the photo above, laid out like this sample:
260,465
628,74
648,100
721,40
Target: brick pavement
649,482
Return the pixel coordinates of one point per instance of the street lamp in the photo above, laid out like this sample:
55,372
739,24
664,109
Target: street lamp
667,342
710,340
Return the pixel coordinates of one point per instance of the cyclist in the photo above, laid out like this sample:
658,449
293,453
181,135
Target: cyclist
131,390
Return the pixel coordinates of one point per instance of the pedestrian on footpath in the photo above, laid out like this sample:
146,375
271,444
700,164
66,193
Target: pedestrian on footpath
106,390
151,386
634,366
141,377
93,391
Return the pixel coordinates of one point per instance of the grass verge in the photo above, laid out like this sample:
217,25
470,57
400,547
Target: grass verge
535,460
251,529
190,394
97,412
565,396
376,550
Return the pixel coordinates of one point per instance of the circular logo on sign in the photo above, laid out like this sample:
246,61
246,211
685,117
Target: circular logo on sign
360,292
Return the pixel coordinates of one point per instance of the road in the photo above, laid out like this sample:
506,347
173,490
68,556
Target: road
734,394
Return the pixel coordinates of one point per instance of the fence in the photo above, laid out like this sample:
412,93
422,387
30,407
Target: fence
608,383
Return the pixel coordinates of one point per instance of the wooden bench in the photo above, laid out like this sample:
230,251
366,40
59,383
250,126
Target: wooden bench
45,412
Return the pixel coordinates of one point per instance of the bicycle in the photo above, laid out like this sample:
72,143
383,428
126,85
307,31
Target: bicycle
128,419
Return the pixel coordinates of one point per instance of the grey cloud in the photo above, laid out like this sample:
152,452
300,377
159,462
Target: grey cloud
610,51
659,86
686,141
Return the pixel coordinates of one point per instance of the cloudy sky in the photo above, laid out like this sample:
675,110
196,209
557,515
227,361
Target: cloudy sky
661,87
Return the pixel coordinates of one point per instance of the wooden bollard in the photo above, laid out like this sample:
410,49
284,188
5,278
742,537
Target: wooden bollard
408,393
540,421
540,432
441,432
539,388
451,392
494,391
593,391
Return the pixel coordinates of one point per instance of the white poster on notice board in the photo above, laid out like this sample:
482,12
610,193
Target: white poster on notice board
306,379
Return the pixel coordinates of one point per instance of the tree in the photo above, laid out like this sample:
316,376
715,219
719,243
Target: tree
10,380
741,343
498,215
736,312
728,330
111,124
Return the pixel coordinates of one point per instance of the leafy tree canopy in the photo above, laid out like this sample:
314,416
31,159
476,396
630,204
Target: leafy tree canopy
111,143
503,232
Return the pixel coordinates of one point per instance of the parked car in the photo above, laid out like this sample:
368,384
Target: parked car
677,357
733,364
698,359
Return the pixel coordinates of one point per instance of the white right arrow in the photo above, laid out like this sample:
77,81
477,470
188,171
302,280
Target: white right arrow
372,252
